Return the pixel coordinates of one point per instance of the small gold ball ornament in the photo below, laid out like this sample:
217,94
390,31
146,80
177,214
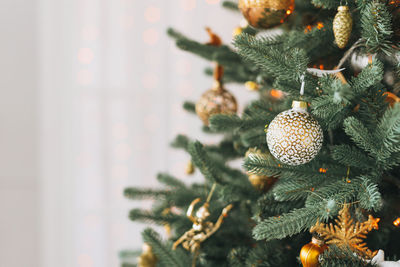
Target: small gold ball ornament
294,137
252,86
266,13
342,26
189,169
215,101
310,252
237,31
260,182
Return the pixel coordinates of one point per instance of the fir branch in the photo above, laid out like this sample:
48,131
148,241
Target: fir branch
164,253
360,134
204,163
149,216
286,225
181,141
288,65
230,5
189,107
341,257
377,27
351,156
369,196
170,181
370,75
135,193
388,131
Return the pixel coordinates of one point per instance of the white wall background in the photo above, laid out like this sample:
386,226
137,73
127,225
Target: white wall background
92,96
18,134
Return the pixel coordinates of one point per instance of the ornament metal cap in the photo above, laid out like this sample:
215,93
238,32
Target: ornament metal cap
298,104
343,8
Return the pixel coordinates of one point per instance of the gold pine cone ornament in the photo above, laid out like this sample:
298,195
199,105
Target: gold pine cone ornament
294,137
266,13
215,101
342,26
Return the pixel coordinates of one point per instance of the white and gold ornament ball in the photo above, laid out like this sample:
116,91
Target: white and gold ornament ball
294,137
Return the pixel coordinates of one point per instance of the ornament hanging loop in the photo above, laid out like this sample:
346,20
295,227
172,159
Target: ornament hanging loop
302,85
215,40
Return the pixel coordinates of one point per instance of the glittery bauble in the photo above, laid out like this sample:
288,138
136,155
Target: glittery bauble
262,182
266,13
310,252
294,137
215,101
342,26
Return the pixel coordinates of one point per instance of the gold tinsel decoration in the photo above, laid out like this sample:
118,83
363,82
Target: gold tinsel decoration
147,258
342,26
346,233
266,13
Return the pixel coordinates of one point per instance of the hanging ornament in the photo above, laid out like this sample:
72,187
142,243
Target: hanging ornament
202,229
260,182
216,100
294,137
347,233
266,13
310,252
147,258
359,60
342,26
189,169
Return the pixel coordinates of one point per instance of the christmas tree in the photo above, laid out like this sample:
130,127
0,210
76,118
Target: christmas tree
320,147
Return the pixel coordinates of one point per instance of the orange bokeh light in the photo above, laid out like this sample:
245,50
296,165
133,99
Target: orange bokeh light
322,170
276,93
396,222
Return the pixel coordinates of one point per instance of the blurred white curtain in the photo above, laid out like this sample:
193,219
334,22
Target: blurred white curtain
112,85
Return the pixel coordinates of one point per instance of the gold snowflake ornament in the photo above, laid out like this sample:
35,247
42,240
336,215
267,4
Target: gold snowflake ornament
346,233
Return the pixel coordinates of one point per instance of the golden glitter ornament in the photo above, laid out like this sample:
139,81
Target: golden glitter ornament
346,233
147,258
266,13
294,137
342,26
216,100
260,182
310,252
